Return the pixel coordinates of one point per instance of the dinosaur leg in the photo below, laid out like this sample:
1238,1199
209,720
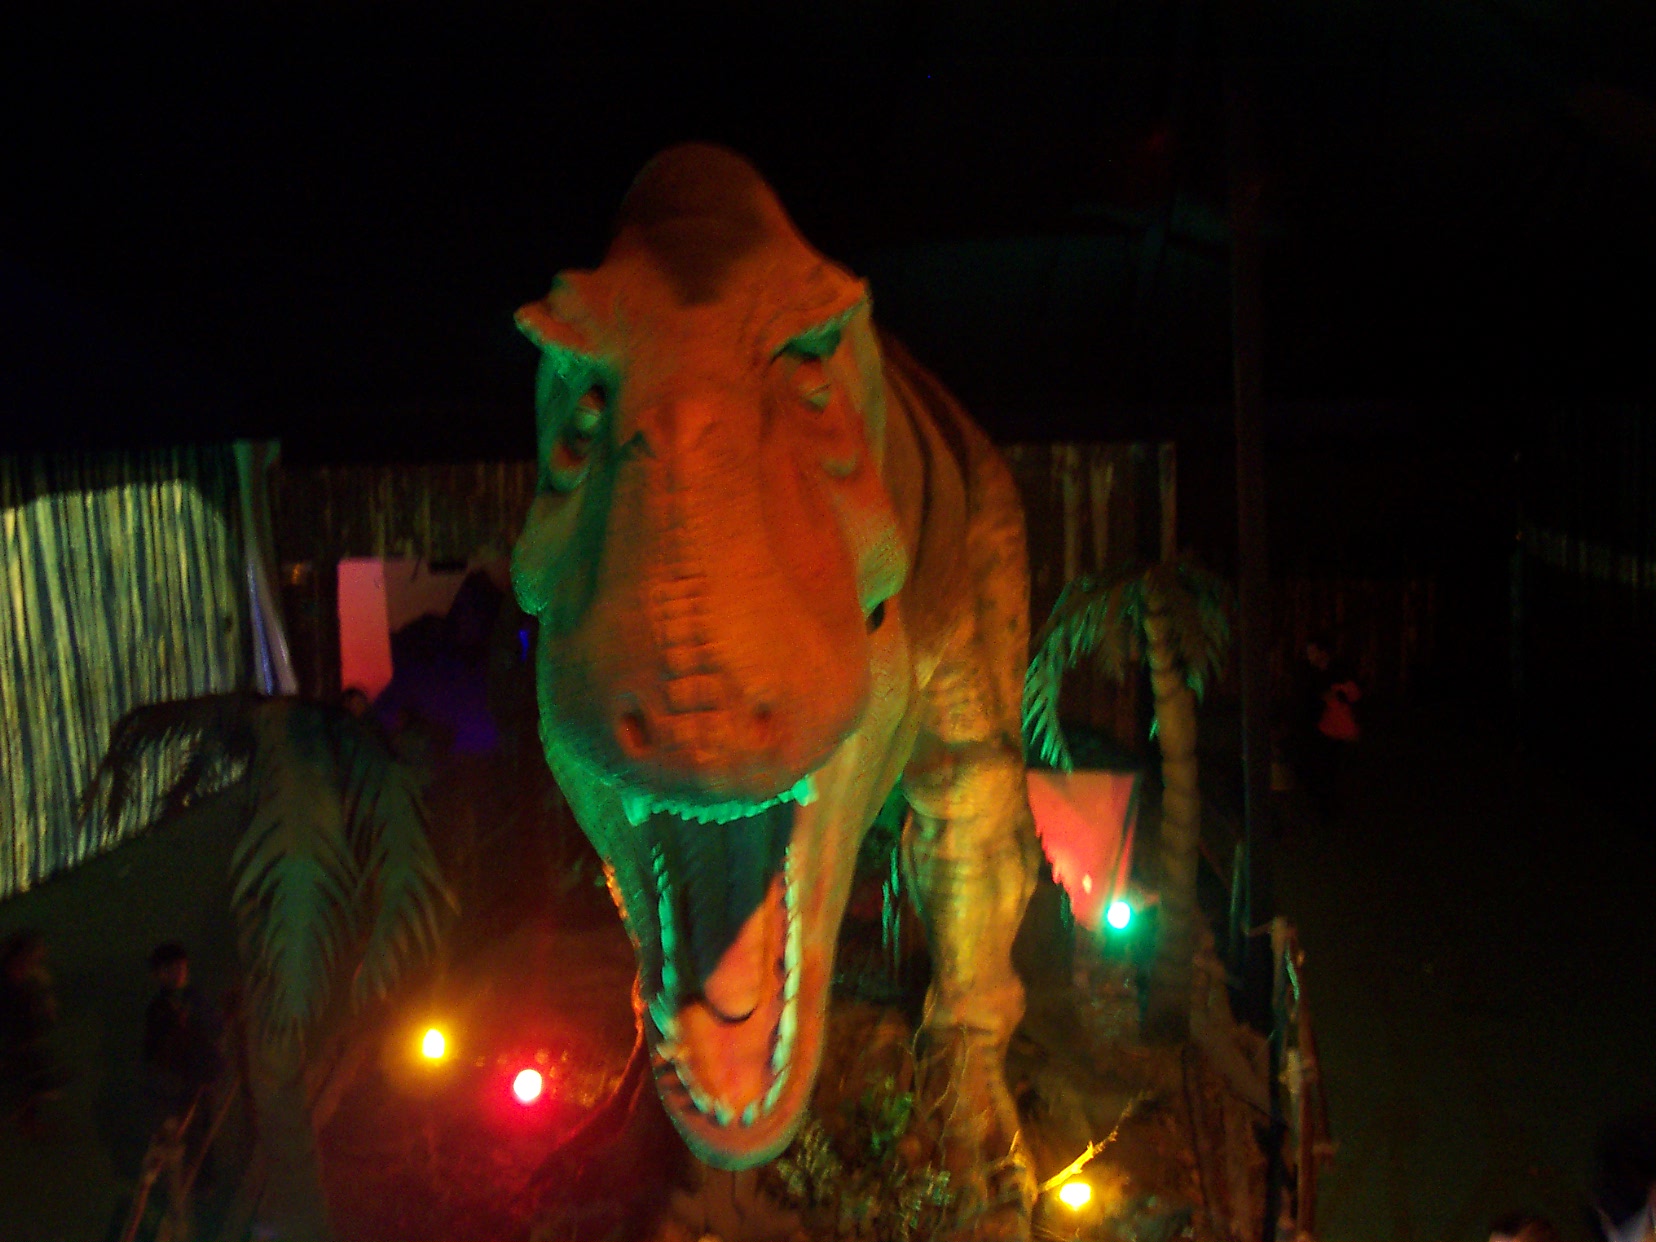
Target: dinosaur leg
969,857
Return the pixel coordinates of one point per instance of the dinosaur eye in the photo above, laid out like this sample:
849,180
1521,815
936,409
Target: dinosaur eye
810,381
578,439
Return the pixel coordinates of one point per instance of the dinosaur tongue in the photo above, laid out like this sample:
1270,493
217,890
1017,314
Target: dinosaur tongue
727,1030
745,974
734,901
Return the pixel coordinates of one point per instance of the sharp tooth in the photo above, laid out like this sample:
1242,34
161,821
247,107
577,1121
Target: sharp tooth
750,1114
790,960
664,923
784,1037
670,1050
804,791
664,1021
698,1097
723,1113
775,1092
636,805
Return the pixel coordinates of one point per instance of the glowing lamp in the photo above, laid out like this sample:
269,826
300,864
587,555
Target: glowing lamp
1119,915
528,1085
433,1046
1075,1195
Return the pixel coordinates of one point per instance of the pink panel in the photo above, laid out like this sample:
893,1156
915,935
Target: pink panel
364,628
1085,821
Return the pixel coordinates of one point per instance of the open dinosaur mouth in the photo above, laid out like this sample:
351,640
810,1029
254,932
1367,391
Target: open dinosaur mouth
723,990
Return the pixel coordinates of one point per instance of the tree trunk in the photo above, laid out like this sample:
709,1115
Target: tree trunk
1167,1011
292,1202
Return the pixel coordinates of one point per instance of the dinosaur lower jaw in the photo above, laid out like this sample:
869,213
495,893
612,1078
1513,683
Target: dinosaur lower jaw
727,1140
735,1048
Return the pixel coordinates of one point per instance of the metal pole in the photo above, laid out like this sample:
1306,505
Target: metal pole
1247,345
1248,379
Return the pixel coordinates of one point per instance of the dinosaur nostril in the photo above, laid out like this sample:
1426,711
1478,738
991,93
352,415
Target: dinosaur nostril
634,732
764,726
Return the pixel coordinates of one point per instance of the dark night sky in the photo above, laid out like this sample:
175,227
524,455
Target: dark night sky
315,221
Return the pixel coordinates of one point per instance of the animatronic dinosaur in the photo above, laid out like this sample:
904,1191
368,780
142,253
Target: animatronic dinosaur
776,571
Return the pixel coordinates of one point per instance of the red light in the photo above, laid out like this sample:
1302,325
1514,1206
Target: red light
528,1085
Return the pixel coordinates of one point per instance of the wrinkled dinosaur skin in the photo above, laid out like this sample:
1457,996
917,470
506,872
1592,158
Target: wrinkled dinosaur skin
776,571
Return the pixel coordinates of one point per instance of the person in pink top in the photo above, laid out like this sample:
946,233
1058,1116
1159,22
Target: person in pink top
1328,724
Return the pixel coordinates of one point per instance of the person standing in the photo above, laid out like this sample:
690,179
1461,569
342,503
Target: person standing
29,1074
1327,724
182,1054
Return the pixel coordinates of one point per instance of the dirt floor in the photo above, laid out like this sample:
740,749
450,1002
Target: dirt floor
101,921
446,1150
1479,927
1477,930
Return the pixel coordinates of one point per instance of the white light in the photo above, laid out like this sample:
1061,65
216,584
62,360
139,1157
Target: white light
1119,914
1075,1195
528,1085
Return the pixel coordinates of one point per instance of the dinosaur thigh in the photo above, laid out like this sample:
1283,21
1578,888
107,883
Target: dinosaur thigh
968,852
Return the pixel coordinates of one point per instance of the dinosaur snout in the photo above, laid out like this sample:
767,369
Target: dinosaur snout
705,738
696,723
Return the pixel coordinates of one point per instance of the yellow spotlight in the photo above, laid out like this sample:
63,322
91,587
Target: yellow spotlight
433,1047
1075,1195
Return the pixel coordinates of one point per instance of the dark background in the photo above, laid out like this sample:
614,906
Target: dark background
313,222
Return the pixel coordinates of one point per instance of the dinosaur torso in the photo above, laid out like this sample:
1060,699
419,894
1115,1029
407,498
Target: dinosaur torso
777,572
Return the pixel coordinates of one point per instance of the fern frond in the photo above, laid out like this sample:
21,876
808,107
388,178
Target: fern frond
1094,618
214,731
399,879
1201,603
293,876
1043,733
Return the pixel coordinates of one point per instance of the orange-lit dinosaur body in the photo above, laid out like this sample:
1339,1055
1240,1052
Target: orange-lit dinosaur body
777,571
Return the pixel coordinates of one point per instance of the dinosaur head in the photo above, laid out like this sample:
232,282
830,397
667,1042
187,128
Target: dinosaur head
721,669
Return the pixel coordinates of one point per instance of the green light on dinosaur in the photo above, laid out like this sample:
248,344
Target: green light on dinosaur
1119,915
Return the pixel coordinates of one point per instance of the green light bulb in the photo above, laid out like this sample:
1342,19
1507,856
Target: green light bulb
1119,915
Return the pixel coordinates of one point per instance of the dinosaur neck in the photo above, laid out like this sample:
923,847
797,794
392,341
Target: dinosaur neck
925,475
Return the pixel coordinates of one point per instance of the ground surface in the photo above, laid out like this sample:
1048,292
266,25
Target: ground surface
100,922
421,1150
1478,935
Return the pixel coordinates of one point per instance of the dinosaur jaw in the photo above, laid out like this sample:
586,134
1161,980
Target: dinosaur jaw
734,911
735,1084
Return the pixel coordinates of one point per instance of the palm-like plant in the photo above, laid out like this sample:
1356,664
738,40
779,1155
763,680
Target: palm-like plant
335,886
1175,615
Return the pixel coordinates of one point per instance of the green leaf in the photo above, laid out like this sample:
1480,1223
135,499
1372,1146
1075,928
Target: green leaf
293,875
1103,618
212,734
400,887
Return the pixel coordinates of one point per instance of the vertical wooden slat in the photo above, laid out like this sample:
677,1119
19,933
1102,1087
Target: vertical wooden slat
1101,478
